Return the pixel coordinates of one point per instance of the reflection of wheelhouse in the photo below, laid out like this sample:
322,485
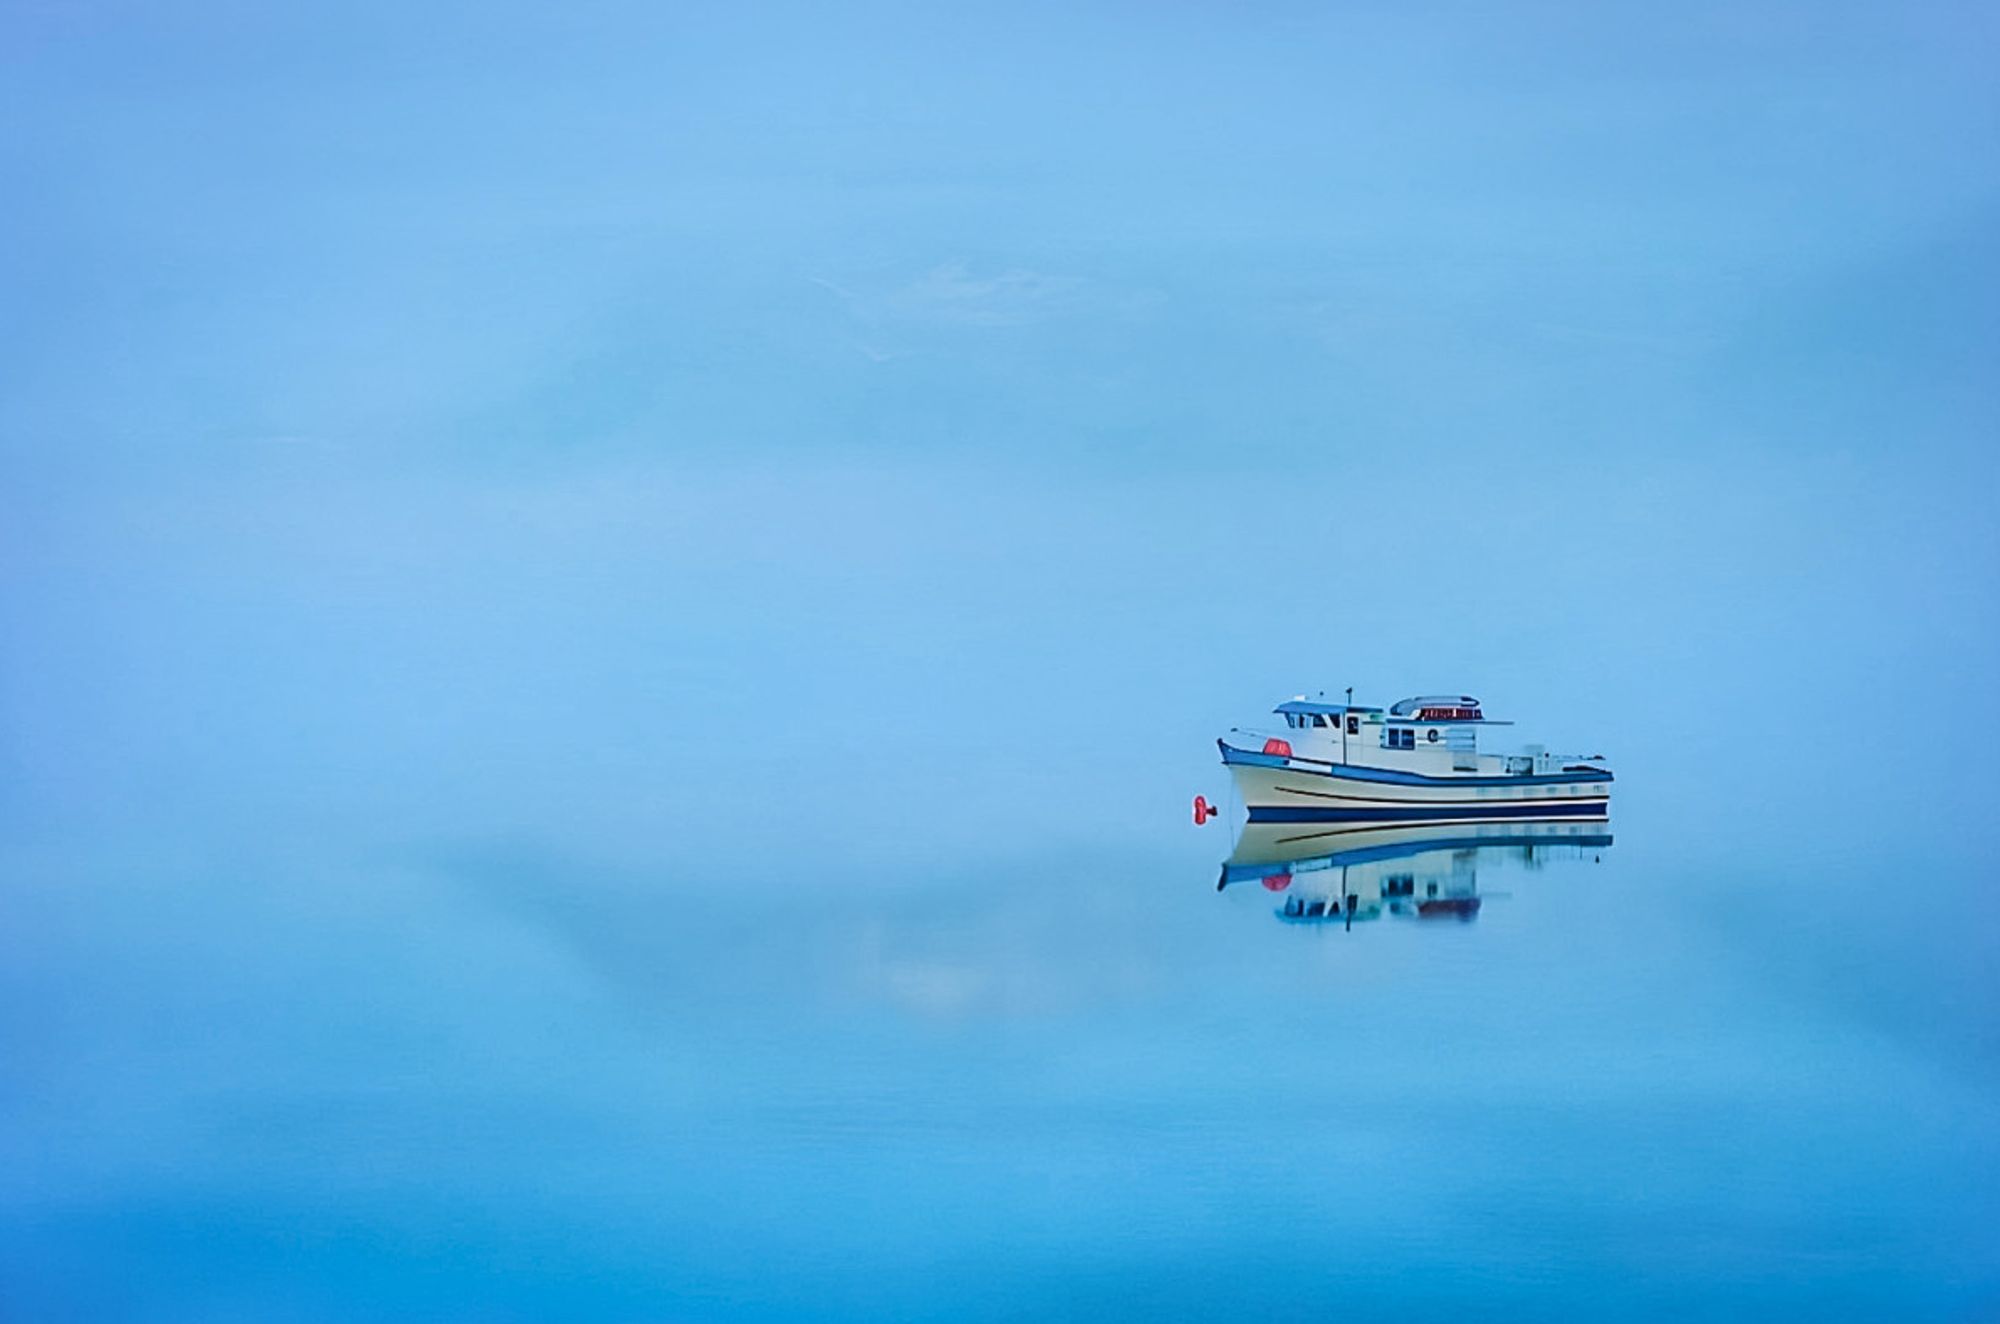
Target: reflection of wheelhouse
1429,872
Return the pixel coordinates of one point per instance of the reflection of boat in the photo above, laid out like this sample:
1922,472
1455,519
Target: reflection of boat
1417,762
1420,872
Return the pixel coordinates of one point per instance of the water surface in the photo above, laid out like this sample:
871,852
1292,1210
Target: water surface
1720,1073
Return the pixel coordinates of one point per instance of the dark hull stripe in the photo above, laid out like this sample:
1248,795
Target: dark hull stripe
1525,836
1426,814
1596,797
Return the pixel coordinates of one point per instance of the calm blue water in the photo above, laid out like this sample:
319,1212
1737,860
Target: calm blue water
546,895
1712,1070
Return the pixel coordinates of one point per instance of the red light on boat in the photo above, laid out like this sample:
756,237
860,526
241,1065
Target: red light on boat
1277,746
1277,882
1203,810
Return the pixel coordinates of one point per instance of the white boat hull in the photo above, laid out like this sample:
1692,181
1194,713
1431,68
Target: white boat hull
1370,797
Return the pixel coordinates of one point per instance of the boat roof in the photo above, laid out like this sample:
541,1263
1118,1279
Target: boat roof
1310,706
1407,707
1407,711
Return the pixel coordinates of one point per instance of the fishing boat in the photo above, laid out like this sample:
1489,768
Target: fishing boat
1348,766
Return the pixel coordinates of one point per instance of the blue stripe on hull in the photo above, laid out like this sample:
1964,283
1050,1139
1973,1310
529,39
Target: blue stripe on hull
1414,813
1252,759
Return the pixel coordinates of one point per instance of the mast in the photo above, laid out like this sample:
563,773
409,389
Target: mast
1343,725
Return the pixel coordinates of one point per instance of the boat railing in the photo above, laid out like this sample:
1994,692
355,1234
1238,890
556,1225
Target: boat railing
1543,764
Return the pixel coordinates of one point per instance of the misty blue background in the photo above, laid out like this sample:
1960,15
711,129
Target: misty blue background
607,620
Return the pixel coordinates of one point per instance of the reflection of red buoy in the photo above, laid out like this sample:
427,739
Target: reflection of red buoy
1277,882
1203,810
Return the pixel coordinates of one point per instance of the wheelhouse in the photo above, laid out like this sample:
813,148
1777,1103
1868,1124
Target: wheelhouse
1303,714
1449,722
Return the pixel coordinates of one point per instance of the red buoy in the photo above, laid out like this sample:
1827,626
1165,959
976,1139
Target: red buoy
1203,810
1276,882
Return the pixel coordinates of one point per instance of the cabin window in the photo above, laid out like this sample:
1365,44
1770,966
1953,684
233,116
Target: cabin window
1319,719
1353,725
1402,738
